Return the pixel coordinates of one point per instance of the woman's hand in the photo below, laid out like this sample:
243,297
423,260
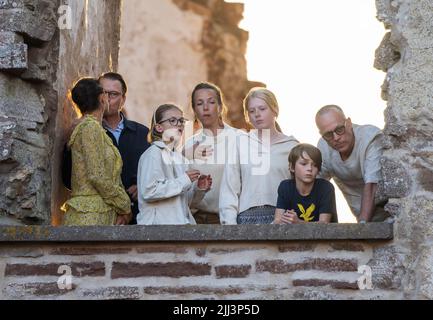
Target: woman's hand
123,219
202,151
193,175
204,182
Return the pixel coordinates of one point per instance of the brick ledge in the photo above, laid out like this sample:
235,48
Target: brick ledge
369,231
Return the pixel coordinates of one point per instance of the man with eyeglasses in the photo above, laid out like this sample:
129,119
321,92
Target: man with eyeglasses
351,156
128,136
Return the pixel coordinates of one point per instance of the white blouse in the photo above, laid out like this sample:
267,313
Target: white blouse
213,164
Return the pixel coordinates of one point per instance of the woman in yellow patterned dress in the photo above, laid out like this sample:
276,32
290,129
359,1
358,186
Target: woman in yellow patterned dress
98,196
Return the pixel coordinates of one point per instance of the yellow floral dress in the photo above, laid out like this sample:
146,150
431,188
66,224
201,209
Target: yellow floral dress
97,191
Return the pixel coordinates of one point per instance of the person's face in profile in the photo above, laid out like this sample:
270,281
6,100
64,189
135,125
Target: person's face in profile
116,98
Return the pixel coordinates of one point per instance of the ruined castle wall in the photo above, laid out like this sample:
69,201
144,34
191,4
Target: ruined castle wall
168,46
38,62
406,55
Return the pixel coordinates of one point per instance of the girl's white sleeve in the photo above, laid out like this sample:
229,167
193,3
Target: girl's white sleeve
152,180
195,196
230,191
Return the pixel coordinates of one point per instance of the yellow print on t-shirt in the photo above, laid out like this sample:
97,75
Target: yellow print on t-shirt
307,215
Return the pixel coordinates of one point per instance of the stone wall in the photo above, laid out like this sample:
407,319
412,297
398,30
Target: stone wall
406,55
168,46
38,62
201,262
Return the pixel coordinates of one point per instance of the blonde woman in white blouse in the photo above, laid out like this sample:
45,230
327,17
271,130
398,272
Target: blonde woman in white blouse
166,184
208,149
258,164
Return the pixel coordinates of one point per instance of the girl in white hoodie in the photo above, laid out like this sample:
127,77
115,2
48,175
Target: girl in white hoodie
166,185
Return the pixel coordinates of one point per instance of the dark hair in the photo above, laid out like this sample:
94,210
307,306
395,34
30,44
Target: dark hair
115,77
85,93
298,151
156,118
219,94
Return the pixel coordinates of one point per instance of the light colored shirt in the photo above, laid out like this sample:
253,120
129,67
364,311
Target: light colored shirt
212,165
253,175
362,166
118,130
164,189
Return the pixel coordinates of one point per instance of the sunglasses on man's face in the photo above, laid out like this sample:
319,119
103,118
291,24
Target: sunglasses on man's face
339,130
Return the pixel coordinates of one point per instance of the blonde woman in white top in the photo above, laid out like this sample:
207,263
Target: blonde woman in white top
208,149
166,184
248,193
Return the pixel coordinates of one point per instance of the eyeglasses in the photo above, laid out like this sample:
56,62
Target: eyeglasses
340,130
113,94
175,122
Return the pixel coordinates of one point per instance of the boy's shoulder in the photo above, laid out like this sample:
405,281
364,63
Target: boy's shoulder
288,183
324,184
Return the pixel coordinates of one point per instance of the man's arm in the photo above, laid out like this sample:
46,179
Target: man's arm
367,202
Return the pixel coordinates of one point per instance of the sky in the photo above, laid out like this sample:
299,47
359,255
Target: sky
316,52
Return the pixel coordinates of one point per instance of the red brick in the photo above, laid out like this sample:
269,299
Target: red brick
94,269
347,246
170,269
84,251
162,249
193,289
280,266
296,247
234,271
321,283
333,264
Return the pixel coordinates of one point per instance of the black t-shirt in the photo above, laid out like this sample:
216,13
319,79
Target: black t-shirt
308,208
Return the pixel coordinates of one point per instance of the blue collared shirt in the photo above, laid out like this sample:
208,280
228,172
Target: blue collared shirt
118,131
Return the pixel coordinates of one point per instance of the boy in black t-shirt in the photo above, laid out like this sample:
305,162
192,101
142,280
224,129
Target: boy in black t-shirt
305,198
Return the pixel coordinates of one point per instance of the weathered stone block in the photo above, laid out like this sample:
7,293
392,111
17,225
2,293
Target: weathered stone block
321,283
397,182
38,20
172,269
13,57
193,289
10,37
111,293
387,268
34,290
386,54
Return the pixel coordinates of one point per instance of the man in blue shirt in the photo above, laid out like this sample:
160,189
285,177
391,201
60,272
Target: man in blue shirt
128,136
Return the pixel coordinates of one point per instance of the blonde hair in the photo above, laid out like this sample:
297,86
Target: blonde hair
268,97
156,118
